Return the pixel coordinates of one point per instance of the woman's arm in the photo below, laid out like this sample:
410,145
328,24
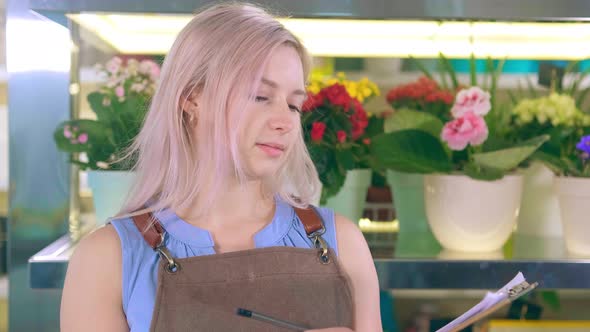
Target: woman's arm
356,259
91,298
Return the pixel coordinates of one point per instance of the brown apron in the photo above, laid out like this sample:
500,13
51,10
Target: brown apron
304,286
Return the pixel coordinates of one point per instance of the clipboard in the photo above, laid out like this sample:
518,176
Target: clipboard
514,293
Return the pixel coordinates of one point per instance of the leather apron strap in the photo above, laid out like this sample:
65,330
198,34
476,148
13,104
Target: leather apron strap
154,233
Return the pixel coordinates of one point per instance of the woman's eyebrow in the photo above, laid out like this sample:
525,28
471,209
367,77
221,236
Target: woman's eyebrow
275,85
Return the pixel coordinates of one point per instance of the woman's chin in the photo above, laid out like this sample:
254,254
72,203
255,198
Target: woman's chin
263,173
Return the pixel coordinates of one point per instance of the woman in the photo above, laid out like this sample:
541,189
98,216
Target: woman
219,217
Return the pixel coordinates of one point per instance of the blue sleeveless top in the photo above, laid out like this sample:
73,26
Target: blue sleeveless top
140,261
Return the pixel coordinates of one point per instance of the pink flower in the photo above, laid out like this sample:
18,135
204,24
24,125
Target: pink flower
468,129
114,64
155,72
67,132
83,138
120,91
149,67
341,134
473,100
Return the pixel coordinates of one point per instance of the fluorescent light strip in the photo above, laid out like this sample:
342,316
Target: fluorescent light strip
154,34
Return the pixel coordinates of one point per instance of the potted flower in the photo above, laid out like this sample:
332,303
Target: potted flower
424,95
471,190
566,155
98,145
574,194
559,115
337,130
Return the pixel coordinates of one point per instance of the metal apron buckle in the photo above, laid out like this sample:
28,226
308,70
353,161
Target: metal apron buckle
172,266
321,244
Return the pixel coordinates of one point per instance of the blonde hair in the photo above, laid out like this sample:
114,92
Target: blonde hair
220,55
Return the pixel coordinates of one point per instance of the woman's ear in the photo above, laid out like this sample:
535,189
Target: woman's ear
190,107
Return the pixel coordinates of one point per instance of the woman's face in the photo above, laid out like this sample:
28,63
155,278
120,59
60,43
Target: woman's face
271,128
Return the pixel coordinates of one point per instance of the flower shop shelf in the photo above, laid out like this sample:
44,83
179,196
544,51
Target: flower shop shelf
422,265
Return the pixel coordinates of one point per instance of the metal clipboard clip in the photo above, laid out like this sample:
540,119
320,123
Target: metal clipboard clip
521,289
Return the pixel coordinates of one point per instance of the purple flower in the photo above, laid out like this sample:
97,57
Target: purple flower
584,145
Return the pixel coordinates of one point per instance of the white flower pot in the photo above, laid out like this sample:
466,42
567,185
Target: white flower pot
539,209
574,200
109,192
470,215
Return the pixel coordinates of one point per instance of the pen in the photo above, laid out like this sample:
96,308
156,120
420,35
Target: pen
251,314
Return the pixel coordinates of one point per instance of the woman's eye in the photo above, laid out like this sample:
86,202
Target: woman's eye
295,108
261,98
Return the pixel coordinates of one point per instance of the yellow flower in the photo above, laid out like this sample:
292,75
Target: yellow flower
360,90
314,87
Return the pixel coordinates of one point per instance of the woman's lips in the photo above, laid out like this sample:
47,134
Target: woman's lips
271,149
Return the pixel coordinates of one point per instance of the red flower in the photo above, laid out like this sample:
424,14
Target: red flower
312,102
337,95
423,90
367,141
341,136
317,131
359,120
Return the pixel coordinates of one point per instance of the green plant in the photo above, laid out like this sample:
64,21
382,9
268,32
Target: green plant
559,115
337,129
476,141
120,105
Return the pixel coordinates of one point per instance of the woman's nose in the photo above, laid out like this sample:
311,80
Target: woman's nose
282,119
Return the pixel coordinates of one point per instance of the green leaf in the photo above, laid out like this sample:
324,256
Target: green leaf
332,181
482,173
412,151
488,73
495,76
551,298
342,122
345,158
375,126
404,119
98,134
513,97
442,73
508,159
552,162
448,67
472,70
103,113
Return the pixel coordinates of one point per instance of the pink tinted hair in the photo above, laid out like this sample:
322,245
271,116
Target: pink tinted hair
220,55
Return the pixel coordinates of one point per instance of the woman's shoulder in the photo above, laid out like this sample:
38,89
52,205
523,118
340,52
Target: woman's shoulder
92,286
103,239
96,261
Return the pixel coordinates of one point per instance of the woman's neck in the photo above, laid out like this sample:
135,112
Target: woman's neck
235,207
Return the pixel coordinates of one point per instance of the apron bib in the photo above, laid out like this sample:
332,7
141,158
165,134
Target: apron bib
304,286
